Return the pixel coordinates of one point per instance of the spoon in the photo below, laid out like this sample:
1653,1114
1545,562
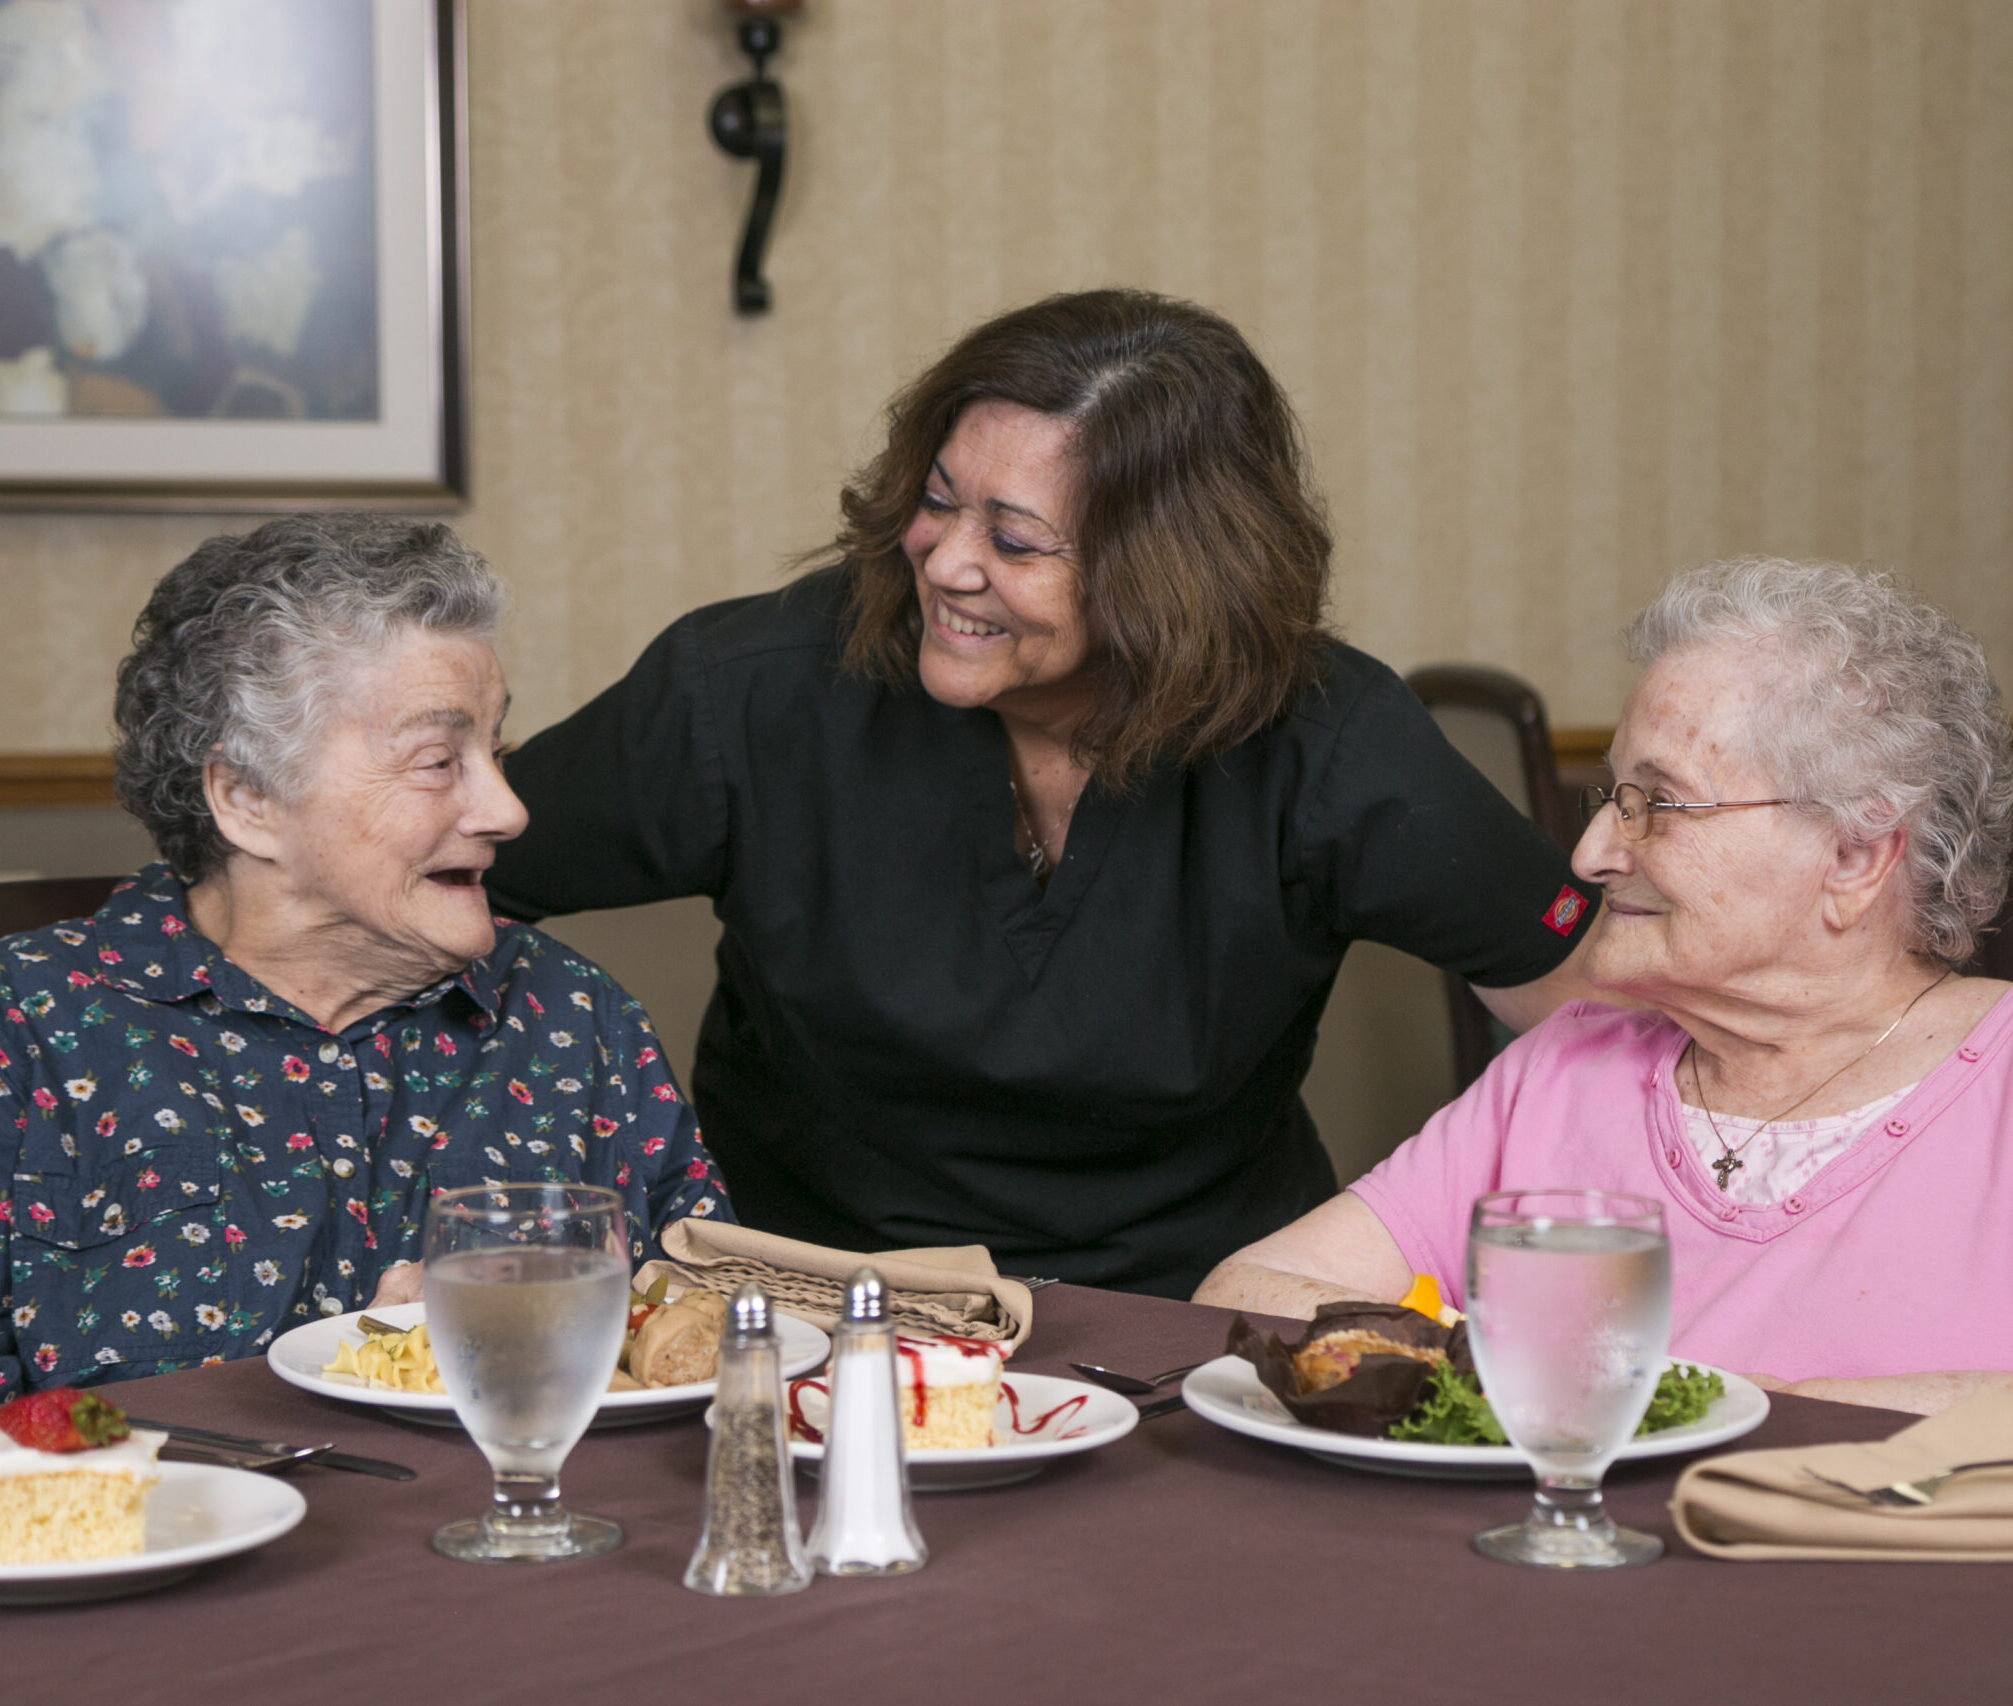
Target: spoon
1133,1385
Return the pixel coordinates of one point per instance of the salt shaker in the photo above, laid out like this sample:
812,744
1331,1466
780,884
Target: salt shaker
865,1526
750,1542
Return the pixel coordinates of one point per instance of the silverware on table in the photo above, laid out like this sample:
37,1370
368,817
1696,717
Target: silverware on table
278,1451
1909,1493
233,1458
1162,1407
1132,1385
1030,1281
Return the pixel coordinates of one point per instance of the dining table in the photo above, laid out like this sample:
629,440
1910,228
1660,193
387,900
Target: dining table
1181,1563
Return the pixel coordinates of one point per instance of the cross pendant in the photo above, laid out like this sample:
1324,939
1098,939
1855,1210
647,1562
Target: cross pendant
1725,1166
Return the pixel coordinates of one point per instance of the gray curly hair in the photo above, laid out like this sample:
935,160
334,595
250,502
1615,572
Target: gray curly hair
243,649
1883,714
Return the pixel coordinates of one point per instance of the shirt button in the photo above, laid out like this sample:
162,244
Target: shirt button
1897,1128
330,1306
342,1167
1967,1054
329,1053
1729,1212
1793,1204
1671,1157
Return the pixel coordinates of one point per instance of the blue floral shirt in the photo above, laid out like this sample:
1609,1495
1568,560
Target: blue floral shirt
196,1165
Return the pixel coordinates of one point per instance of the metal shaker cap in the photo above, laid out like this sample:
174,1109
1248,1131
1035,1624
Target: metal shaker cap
866,1297
750,1309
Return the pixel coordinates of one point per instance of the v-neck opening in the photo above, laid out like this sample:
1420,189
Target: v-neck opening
1032,916
1844,1174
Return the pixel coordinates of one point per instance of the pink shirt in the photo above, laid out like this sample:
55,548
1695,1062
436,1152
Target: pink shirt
1895,1259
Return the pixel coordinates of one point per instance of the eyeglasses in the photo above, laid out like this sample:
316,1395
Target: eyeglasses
1638,810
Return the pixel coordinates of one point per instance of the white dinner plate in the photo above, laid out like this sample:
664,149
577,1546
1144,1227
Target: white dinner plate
1229,1393
198,1512
1040,1418
300,1356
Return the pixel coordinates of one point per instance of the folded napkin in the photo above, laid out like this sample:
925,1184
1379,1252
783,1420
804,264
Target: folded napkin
931,1292
1763,1504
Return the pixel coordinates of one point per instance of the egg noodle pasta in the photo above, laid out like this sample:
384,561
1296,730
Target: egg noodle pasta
393,1362
670,1342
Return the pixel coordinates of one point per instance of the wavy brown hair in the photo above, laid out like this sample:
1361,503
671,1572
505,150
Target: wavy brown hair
1201,549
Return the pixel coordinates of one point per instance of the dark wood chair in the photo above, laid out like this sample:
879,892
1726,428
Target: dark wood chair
1497,722
1995,950
34,902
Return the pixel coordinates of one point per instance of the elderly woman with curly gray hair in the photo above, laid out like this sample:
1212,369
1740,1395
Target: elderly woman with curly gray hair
1809,826
225,1099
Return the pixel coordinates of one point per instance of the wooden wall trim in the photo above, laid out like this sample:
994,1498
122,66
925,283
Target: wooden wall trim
1581,747
55,779
85,778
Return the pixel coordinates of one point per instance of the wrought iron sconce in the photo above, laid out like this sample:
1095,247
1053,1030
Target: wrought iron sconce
748,122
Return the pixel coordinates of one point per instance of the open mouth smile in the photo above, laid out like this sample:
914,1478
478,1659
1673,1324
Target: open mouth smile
952,623
461,877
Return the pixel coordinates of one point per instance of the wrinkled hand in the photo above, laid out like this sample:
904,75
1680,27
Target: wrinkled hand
400,1284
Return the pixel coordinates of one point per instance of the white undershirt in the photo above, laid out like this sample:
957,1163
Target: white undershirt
1786,1157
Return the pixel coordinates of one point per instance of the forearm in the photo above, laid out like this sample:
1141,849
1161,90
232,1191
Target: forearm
1238,1284
1919,1394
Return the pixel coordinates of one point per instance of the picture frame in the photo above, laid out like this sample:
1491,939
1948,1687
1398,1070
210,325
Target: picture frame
281,323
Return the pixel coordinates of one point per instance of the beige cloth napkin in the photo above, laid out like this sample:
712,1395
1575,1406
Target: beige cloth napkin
933,1292
1762,1504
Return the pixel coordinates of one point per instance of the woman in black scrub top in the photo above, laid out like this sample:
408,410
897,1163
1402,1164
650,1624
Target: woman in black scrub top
1039,820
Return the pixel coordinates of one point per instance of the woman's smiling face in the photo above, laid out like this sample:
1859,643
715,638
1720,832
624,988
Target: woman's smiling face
996,569
1711,902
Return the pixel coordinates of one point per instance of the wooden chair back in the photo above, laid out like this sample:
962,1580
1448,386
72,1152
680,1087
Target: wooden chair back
34,902
1497,722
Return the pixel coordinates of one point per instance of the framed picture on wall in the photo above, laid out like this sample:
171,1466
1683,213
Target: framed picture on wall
233,256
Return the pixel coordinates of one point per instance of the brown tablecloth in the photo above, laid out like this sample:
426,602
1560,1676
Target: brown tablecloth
1182,1564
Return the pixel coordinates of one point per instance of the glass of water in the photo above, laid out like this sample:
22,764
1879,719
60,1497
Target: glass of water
527,1293
1569,1306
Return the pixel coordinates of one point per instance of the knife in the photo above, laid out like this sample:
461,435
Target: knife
1159,1407
237,1442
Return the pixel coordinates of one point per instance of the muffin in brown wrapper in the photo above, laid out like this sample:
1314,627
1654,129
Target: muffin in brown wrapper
1382,1390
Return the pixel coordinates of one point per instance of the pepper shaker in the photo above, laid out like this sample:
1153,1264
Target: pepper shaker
750,1542
865,1526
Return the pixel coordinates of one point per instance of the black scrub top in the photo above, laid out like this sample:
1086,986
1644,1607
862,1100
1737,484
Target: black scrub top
912,1042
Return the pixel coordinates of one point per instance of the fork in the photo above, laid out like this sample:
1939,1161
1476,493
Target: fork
1909,1493
1132,1385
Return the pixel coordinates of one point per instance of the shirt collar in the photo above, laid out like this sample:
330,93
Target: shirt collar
146,944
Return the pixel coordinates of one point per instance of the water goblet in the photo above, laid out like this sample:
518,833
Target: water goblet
527,1292
1569,1300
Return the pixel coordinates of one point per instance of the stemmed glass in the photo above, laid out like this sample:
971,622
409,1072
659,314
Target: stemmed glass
527,1292
1569,1303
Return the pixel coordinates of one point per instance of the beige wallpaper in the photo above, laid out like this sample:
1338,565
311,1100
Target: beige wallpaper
1568,293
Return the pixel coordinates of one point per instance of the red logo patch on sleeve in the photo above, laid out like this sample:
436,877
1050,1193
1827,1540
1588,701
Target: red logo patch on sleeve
1565,911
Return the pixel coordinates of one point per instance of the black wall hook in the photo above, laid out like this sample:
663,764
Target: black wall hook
748,121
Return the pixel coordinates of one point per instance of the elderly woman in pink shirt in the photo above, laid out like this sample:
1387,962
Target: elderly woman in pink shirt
1810,823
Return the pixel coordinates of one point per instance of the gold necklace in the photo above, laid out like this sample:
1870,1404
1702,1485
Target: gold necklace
1038,862
1729,1160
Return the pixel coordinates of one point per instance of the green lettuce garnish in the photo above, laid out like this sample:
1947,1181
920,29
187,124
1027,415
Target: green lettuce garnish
1454,1412
1683,1394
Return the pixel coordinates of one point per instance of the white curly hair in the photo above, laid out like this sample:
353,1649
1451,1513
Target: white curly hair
1882,713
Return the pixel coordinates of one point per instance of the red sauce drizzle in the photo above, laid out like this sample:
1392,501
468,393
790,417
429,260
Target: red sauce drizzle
912,1351
1068,1407
801,1425
919,1405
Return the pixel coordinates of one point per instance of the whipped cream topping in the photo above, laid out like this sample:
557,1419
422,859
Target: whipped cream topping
134,1455
947,1362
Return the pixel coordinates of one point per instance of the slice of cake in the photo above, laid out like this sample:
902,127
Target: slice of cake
74,1479
949,1390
